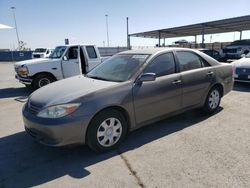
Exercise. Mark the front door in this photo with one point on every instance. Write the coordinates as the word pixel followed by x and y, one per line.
pixel 154 99
pixel 70 62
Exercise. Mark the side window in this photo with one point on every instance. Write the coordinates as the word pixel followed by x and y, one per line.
pixel 91 52
pixel 190 60
pixel 162 65
pixel 73 53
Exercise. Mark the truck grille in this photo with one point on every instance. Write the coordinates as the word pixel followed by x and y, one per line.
pixel 242 71
pixel 229 50
pixel 36 56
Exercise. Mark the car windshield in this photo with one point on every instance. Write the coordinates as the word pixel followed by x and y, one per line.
pixel 42 50
pixel 118 68
pixel 58 52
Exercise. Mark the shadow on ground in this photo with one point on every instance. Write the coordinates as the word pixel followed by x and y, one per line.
pixel 25 163
pixel 242 87
pixel 21 93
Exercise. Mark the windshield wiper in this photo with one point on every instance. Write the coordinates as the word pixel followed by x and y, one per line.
pixel 97 78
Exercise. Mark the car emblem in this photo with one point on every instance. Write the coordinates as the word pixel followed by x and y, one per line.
pixel 244 70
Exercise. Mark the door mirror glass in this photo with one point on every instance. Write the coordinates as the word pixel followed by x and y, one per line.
pixel 147 77
pixel 65 58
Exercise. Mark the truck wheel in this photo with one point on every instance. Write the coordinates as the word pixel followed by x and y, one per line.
pixel 41 80
pixel 213 100
pixel 106 131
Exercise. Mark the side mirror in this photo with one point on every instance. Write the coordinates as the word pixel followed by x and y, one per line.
pixel 243 55
pixel 65 58
pixel 146 77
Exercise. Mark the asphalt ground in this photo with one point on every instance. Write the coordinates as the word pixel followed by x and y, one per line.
pixel 187 150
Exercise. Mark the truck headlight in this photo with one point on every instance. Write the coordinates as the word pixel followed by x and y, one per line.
pixel 23 70
pixel 58 111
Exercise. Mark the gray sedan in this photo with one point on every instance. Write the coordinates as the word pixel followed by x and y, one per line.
pixel 130 90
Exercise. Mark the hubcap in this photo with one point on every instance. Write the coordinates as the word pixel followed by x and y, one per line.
pixel 44 81
pixel 214 99
pixel 109 132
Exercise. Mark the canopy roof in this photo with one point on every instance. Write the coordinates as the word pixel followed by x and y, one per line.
pixel 2 26
pixel 220 26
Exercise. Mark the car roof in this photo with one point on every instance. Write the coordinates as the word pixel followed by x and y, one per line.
pixel 154 50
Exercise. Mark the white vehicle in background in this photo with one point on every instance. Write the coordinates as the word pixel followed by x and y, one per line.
pixel 41 53
pixel 236 49
pixel 64 62
pixel 242 69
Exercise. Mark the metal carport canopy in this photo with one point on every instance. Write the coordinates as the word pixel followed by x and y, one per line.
pixel 220 26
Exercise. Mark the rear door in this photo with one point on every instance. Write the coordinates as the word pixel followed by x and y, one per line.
pixel 154 99
pixel 197 76
pixel 93 58
pixel 70 64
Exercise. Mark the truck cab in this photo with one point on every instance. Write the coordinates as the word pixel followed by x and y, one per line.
pixel 64 62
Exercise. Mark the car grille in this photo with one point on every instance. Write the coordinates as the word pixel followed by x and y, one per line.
pixel 36 56
pixel 34 109
pixel 242 71
pixel 229 50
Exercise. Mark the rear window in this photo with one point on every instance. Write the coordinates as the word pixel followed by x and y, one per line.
pixel 91 52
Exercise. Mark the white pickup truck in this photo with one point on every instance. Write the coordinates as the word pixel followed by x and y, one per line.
pixel 64 62
pixel 41 53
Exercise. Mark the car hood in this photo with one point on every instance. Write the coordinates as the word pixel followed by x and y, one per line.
pixel 243 62
pixel 34 61
pixel 67 90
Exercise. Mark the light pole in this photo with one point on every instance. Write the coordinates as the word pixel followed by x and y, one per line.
pixel 13 10
pixel 107 29
pixel 128 37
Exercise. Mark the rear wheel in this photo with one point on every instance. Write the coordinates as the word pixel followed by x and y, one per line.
pixel 42 80
pixel 213 100
pixel 106 131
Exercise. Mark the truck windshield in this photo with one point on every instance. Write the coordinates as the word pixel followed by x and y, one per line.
pixel 58 52
pixel 118 68
pixel 41 50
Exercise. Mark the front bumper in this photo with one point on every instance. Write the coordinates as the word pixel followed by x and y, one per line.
pixel 55 132
pixel 24 80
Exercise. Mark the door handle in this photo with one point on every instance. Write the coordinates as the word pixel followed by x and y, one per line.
pixel 210 73
pixel 176 82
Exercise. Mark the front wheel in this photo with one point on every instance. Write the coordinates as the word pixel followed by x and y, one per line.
pixel 213 100
pixel 107 130
pixel 42 80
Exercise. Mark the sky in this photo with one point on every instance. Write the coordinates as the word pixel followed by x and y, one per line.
pixel 46 23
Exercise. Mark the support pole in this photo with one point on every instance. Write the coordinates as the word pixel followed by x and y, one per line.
pixel 159 37
pixel 240 35
pixel 203 37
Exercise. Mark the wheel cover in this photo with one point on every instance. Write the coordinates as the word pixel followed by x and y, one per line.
pixel 44 81
pixel 214 99
pixel 109 132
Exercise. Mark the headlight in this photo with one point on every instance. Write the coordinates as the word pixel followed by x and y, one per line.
pixel 58 111
pixel 23 70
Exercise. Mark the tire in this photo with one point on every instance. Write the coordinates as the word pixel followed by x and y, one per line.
pixel 106 131
pixel 28 86
pixel 212 101
pixel 41 80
